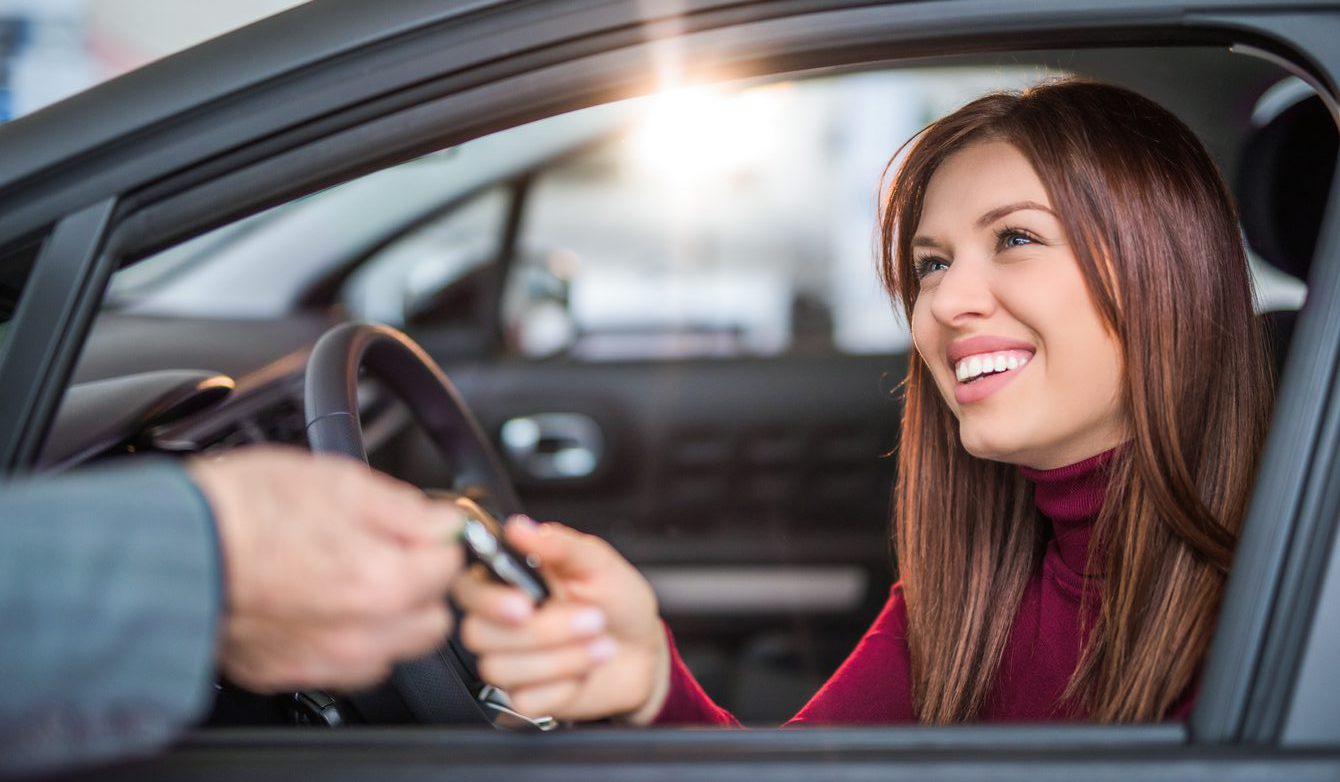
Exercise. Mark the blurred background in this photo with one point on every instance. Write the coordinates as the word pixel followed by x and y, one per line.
pixel 762 214
pixel 50 49
pixel 708 222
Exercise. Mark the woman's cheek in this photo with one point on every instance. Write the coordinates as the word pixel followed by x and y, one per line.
pixel 927 345
pixel 1084 369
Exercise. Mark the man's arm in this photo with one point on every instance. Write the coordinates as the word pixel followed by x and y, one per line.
pixel 110 600
pixel 117 596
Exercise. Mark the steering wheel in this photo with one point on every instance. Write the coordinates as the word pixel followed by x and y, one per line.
pixel 442 687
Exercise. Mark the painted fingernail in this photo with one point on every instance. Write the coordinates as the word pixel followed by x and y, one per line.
pixel 588 621
pixel 522 520
pixel 515 608
pixel 602 648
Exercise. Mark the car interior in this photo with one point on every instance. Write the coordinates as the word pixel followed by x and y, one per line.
pixel 664 315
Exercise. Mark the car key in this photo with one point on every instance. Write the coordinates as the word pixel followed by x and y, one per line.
pixel 482 537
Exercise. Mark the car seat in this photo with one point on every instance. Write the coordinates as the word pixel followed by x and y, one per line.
pixel 1283 184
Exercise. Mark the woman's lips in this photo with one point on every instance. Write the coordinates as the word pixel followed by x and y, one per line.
pixel 981 344
pixel 982 387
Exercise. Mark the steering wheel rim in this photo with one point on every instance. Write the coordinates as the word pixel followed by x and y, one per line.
pixel 439 688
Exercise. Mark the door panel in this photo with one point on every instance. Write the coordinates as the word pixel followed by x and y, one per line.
pixel 760 461
pixel 752 493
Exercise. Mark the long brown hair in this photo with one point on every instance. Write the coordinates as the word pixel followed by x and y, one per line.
pixel 1156 236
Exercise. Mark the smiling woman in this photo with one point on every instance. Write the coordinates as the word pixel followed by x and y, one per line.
pixel 1071 477
pixel 1086 226
pixel 999 282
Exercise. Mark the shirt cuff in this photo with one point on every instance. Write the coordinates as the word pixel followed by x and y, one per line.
pixel 686 702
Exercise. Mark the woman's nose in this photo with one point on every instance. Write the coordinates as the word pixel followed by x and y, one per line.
pixel 964 293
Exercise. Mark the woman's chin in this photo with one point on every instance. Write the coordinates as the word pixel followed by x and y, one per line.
pixel 992 448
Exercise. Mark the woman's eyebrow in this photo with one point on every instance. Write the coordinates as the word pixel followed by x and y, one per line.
pixel 987 219
pixel 1001 211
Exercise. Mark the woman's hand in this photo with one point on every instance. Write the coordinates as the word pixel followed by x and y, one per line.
pixel 595 649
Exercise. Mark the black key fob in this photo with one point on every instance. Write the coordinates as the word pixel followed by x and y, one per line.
pixel 482 537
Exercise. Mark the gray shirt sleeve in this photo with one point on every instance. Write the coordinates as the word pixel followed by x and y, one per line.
pixel 109 604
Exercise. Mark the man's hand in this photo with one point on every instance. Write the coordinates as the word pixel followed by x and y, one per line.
pixel 333 572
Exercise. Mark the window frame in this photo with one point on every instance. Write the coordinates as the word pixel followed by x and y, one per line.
pixel 1252 673
pixel 55 310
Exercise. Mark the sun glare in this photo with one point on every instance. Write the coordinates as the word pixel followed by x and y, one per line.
pixel 698 132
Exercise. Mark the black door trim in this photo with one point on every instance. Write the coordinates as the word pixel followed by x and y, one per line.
pixel 1269 605
pixel 48 328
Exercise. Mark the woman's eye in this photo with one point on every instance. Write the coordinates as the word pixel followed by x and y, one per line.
pixel 926 266
pixel 1012 237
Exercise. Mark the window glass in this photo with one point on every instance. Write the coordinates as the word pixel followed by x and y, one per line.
pixel 403 283
pixel 727 222
pixel 131 282
pixel 732 220
pixel 378 244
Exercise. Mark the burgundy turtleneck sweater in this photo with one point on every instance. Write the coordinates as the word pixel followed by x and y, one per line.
pixel 874 684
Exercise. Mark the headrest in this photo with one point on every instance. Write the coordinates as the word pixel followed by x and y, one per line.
pixel 1284 181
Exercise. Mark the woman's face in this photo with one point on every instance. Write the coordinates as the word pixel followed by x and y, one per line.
pixel 1004 320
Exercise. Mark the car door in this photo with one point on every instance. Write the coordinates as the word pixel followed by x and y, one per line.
pixel 573 54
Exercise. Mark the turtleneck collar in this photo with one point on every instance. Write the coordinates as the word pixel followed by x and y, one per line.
pixel 1070 497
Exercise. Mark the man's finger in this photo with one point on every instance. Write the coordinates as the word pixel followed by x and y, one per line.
pixel 418 633
pixel 403 512
pixel 431 569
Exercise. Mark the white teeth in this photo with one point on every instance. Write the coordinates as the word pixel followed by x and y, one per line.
pixel 974 366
